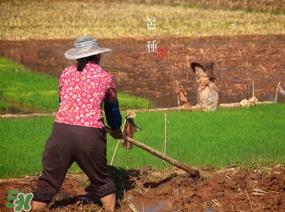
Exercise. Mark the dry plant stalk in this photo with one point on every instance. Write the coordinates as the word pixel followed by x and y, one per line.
pixel 250 203
pixel 259 192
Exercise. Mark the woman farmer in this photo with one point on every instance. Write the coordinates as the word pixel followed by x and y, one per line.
pixel 78 132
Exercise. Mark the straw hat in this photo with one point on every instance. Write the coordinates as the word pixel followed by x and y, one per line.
pixel 207 66
pixel 85 46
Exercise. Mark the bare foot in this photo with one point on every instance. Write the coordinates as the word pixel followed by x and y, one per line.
pixel 38 205
pixel 109 202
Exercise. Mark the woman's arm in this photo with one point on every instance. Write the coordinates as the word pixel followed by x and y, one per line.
pixel 113 115
pixel 112 110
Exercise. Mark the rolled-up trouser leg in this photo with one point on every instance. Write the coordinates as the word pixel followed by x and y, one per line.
pixel 56 159
pixel 91 157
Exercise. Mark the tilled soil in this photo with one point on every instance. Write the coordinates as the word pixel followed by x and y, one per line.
pixel 230 189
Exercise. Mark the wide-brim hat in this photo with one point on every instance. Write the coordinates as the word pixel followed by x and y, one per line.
pixel 207 66
pixel 85 46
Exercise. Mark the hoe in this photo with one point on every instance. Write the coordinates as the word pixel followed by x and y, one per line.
pixel 130 128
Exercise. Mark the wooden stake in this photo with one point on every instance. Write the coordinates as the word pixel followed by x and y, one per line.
pixel 165 136
pixel 165 133
pixel 253 89
pixel 277 92
pixel 188 66
pixel 177 95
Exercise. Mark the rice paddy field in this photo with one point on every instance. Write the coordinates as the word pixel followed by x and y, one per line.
pixel 195 138
pixel 23 90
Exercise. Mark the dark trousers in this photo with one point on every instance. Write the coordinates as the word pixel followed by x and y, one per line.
pixel 68 143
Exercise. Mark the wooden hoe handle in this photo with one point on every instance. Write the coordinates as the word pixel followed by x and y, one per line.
pixel 193 172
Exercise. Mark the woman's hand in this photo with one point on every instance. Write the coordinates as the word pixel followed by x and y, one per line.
pixel 116 134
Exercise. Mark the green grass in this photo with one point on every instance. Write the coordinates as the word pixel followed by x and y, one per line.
pixel 229 136
pixel 46 20
pixel 32 91
pixel 128 101
pixel 26 89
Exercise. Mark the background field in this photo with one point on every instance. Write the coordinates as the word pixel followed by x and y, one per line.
pixel 68 19
pixel 273 6
pixel 195 138
pixel 26 91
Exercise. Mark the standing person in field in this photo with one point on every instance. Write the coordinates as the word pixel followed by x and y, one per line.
pixel 78 133
pixel 207 95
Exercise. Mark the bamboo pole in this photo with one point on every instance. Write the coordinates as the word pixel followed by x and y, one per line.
pixel 165 136
pixel 253 93
pixel 117 146
pixel 114 153
pixel 165 133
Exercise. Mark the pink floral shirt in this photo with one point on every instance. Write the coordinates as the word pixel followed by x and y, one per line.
pixel 82 94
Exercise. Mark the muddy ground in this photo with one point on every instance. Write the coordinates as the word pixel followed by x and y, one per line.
pixel 230 189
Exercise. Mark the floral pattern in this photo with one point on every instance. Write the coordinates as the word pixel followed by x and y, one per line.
pixel 82 94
